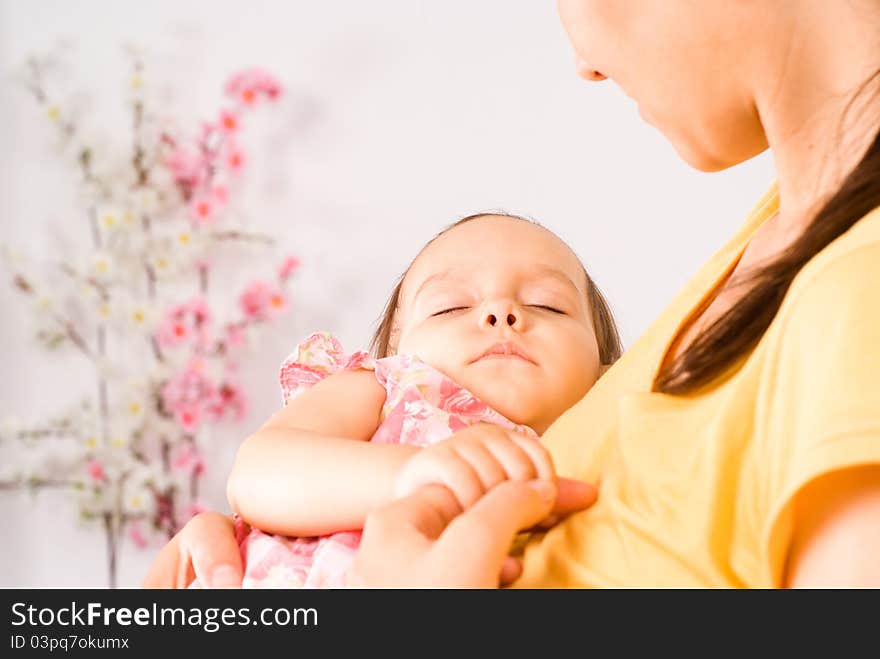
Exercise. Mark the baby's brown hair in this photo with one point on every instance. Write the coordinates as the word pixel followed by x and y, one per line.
pixel 607 334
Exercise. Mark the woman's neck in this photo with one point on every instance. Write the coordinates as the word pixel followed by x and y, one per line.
pixel 817 114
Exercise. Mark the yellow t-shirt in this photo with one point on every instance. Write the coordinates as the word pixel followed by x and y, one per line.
pixel 694 490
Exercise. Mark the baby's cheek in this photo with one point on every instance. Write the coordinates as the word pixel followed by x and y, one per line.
pixel 576 376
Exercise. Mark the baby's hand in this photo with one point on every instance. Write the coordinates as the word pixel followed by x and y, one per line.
pixel 473 461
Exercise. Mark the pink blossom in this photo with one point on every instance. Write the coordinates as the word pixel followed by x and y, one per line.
pixel 178 311
pixel 249 96
pixel 186 167
pixel 239 80
pixel 203 340
pixel 235 158
pixel 229 397
pixel 267 84
pixel 172 331
pixel 202 210
pixel 262 301
pixel 198 307
pixel 228 122
pixel 290 265
pixel 188 460
pixel 235 335
pixel 277 304
pixel 221 194
pixel 95 469
pixel 253 301
pixel 272 89
pixel 184 321
pixel 136 535
pixel 188 417
pixel 247 86
pixel 186 394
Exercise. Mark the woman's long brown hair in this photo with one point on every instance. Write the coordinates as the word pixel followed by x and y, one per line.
pixel 607 334
pixel 735 333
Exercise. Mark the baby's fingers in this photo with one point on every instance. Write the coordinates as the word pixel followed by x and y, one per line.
pixel 522 458
pixel 539 455
pixel 446 467
pixel 487 467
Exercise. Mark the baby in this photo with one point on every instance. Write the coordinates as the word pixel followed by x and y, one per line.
pixel 494 330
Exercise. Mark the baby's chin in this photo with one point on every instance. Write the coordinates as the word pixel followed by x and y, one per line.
pixel 513 402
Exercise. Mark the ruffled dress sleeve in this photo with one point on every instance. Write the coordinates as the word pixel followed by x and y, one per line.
pixel 316 357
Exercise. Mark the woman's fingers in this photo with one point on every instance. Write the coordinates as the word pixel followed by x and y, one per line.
pixel 206 548
pixel 420 516
pixel 164 572
pixel 480 538
pixel 397 538
pixel 511 568
pixel 427 539
pixel 573 495
pixel 213 550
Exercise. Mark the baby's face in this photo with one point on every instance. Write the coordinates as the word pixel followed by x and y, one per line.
pixel 503 283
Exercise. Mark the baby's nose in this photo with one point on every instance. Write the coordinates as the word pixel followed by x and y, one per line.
pixel 502 314
pixel 492 319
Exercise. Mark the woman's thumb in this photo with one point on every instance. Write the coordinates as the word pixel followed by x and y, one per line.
pixel 499 515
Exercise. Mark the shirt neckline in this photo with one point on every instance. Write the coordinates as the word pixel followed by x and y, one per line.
pixel 733 252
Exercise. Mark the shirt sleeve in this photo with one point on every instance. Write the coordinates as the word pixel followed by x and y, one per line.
pixel 316 357
pixel 821 398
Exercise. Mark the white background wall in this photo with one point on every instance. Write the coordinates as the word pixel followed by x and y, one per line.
pixel 401 116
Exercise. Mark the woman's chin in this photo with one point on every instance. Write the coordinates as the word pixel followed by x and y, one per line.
pixel 718 159
pixel 702 161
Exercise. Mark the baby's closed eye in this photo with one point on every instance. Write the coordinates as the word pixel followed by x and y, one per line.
pixel 547 308
pixel 449 310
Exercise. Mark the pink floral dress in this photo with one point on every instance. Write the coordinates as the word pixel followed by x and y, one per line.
pixel 422 407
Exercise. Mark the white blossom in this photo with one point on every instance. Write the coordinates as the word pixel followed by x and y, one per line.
pixel 145 200
pixel 102 265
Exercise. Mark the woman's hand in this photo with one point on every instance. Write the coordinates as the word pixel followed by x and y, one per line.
pixel 205 548
pixel 425 540
pixel 473 461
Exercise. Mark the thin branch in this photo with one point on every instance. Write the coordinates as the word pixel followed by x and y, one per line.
pixel 35 482
pixel 73 335
pixel 241 235
pixel 91 281
pixel 44 433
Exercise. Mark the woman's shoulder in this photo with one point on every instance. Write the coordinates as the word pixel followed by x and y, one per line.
pixel 834 296
pixel 844 266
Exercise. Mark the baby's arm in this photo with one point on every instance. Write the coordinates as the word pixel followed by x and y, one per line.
pixel 309 470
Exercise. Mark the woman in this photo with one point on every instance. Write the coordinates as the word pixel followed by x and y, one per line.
pixel 738 441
